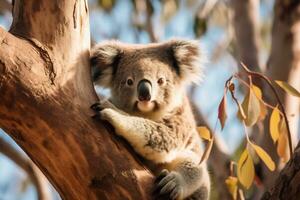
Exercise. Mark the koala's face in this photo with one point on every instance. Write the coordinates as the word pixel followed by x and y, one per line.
pixel 146 80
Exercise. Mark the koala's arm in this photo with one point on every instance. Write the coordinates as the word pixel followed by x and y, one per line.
pixel 150 139
pixel 156 142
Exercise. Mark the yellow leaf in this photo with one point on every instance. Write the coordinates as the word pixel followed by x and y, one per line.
pixel 282 145
pixel 251 108
pixel 246 169
pixel 231 183
pixel 274 124
pixel 264 156
pixel 263 111
pixel 222 112
pixel 204 132
pixel 207 150
pixel 288 88
pixel 257 91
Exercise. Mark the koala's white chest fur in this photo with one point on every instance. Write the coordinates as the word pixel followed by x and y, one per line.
pixel 164 134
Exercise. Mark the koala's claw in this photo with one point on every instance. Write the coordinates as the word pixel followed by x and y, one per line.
pixel 102 104
pixel 167 185
pixel 161 175
pixel 96 107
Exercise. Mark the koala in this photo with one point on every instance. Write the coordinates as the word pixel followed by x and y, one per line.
pixel 150 109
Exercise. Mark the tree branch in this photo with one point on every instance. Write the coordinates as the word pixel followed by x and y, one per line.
pixel 4 6
pixel 268 81
pixel 149 25
pixel 245 21
pixel 52 122
pixel 144 9
pixel 29 167
pixel 287 184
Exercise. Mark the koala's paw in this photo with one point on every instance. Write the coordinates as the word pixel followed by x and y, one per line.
pixel 107 114
pixel 102 104
pixel 168 185
pixel 200 194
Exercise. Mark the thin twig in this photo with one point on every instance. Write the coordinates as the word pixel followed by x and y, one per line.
pixel 260 99
pixel 256 74
pixel 232 164
pixel 238 105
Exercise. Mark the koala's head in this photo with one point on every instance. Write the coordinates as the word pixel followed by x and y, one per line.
pixel 148 79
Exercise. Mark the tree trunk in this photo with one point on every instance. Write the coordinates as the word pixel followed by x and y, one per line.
pixel 245 21
pixel 284 64
pixel 287 184
pixel 46 92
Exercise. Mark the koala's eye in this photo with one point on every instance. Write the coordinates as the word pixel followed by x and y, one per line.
pixel 161 81
pixel 129 81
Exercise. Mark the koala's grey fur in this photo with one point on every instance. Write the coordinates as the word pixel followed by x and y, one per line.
pixel 165 134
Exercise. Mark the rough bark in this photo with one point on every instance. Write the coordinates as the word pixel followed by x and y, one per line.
pixel 284 64
pixel 46 92
pixel 287 184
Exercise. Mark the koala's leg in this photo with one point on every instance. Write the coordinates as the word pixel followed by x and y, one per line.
pixel 186 181
pixel 150 139
pixel 156 142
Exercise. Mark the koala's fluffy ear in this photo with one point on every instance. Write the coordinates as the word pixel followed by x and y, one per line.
pixel 188 59
pixel 104 59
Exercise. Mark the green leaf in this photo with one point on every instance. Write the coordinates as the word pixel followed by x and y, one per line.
pixel 288 88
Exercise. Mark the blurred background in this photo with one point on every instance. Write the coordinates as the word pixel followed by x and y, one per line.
pixel 229 31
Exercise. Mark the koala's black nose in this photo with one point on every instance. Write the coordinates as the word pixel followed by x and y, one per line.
pixel 144 90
